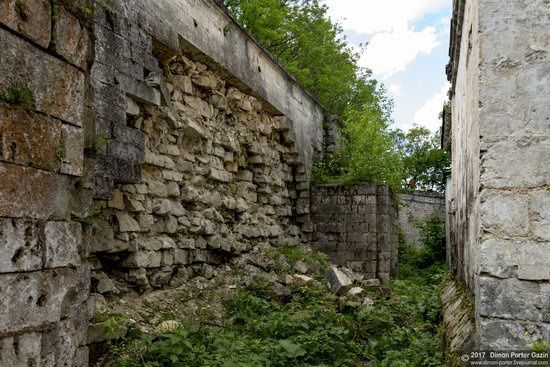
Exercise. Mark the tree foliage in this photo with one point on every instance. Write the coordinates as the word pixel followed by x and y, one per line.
pixel 302 37
pixel 423 160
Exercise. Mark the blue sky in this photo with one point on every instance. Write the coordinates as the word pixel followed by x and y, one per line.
pixel 407 51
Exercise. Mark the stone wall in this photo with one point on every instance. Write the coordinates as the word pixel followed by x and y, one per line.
pixel 356 226
pixel 141 143
pixel 44 282
pixel 500 243
pixel 418 206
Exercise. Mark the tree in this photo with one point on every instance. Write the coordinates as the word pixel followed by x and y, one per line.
pixel 367 152
pixel 424 161
pixel 302 37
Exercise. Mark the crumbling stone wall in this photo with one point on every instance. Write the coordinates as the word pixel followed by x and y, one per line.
pixel 500 243
pixel 220 174
pixel 418 206
pixel 139 141
pixel 356 226
pixel 44 282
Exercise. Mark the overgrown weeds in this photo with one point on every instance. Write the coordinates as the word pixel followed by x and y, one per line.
pixel 314 327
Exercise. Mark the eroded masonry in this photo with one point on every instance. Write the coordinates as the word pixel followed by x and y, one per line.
pixel 499 198
pixel 141 141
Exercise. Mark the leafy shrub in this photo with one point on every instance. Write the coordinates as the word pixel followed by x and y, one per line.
pixel 430 255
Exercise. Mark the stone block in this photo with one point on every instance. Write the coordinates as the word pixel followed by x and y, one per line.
pixel 540 215
pixel 21 245
pixel 36 299
pixel 62 243
pixel 21 350
pixel 126 223
pixel 498 258
pixel 497 334
pixel 533 259
pixel 505 213
pixel 509 299
pixel 337 280
pixel 31 193
pixel 72 41
pixel 143 259
pixel 30 139
pixel 516 163
pixel 31 18
pixel 57 87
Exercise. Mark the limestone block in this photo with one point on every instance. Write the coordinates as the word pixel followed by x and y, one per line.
pixel 199 106
pixel 32 139
pixel 126 223
pixel 540 215
pixel 34 299
pixel 72 40
pixel 505 213
pixel 157 188
pixel 62 244
pixel 161 206
pixel 183 82
pixel 117 202
pixel 21 350
pixel 57 87
pixel 31 193
pixel 337 280
pixel 509 334
pixel 20 245
pixel 172 189
pixel 509 299
pixel 516 162
pixel 499 258
pixel 533 260
pixel 143 259
pixel 220 175
pixel 182 257
pixel 31 18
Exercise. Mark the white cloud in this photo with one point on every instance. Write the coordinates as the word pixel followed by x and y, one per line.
pixel 395 90
pixel 428 115
pixel 395 43
pixel 391 52
pixel 372 16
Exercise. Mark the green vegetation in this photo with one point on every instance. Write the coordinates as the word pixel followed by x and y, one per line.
pixel 400 327
pixel 423 159
pixel 287 255
pixel 18 94
pixel 302 37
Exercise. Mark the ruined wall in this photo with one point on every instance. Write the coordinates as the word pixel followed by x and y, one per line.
pixel 501 138
pixel 418 206
pixel 141 143
pixel 356 226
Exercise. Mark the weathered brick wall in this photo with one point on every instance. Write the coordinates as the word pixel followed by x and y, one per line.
pixel 356 226
pixel 500 243
pixel 418 206
pixel 44 282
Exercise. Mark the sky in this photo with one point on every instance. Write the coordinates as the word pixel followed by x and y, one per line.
pixel 407 51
